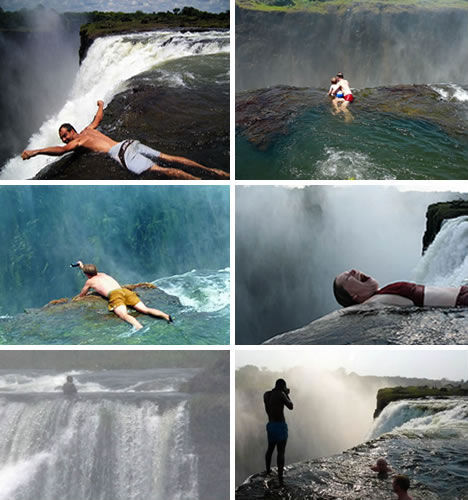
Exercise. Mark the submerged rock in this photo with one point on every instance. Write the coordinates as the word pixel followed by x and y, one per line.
pixel 379 324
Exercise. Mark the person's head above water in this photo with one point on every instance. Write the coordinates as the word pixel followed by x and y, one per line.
pixel 340 75
pixel 353 287
pixel 67 132
pixel 69 378
pixel 401 483
pixel 89 269
pixel 334 80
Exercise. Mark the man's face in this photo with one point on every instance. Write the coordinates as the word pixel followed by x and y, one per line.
pixel 66 135
pixel 357 284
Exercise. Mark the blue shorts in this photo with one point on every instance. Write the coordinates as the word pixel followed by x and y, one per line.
pixel 277 431
pixel 340 94
pixel 138 157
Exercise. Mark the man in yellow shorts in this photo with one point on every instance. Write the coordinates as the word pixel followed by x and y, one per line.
pixel 119 298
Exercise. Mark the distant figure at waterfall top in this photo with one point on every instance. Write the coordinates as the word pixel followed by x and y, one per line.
pixel 119 298
pixel 69 388
pixel 382 468
pixel 401 486
pixel 130 154
pixel 277 429
pixel 342 96
pixel 354 287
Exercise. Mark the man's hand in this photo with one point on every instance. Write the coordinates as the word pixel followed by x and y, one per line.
pixel 80 264
pixel 100 103
pixel 27 153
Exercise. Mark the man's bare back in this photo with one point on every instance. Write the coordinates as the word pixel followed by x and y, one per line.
pixel 102 283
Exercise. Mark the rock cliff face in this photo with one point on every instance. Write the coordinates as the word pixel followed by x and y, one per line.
pixel 437 213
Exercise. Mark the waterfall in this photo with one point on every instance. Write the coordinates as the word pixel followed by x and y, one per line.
pixel 111 61
pixel 104 446
pixel 445 262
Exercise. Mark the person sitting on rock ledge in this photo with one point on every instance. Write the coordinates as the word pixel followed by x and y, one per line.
pixel 130 154
pixel 354 287
pixel 119 298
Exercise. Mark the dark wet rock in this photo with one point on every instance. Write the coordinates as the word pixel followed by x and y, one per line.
pixel 371 324
pixel 190 122
pixel 346 476
pixel 437 213
pixel 262 115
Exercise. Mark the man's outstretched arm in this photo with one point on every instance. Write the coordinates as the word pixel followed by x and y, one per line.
pixel 51 151
pixel 99 115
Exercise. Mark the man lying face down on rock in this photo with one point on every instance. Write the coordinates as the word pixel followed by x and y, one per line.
pixel 354 287
pixel 119 298
pixel 130 154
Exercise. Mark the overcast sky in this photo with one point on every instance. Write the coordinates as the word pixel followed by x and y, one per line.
pixel 420 363
pixel 117 5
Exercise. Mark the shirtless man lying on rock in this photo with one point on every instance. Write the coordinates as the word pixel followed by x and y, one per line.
pixel 354 287
pixel 130 154
pixel 119 298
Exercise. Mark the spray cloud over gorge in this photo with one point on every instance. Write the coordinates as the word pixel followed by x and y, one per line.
pixel 46 54
pixel 300 239
pixel 371 48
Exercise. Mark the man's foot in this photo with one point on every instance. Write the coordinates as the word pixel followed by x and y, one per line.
pixel 169 319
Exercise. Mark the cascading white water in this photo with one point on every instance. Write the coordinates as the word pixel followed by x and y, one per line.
pixel 110 62
pixel 445 262
pixel 424 417
pixel 109 448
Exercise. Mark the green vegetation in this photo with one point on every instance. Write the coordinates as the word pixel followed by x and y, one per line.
pixel 105 23
pixel 102 23
pixel 341 6
pixel 389 394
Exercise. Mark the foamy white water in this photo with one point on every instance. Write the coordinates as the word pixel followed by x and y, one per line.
pixel 445 262
pixel 424 417
pixel 109 64
pixel 451 91
pixel 201 291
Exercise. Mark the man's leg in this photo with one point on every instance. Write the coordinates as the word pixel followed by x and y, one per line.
pixel 185 162
pixel 268 455
pixel 173 173
pixel 280 460
pixel 122 313
pixel 140 307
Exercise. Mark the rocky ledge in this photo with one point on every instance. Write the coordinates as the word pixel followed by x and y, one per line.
pixel 382 324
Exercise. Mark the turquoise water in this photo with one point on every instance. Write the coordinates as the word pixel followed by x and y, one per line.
pixel 319 145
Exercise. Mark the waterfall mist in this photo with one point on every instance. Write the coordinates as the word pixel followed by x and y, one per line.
pixel 370 48
pixel 132 233
pixel 332 412
pixel 38 68
pixel 291 243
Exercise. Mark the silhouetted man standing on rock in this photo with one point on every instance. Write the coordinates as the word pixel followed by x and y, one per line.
pixel 277 429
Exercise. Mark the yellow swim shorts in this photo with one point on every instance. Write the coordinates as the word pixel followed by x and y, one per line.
pixel 122 296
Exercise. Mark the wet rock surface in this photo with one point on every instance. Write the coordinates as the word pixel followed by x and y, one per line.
pixel 392 325
pixel 346 476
